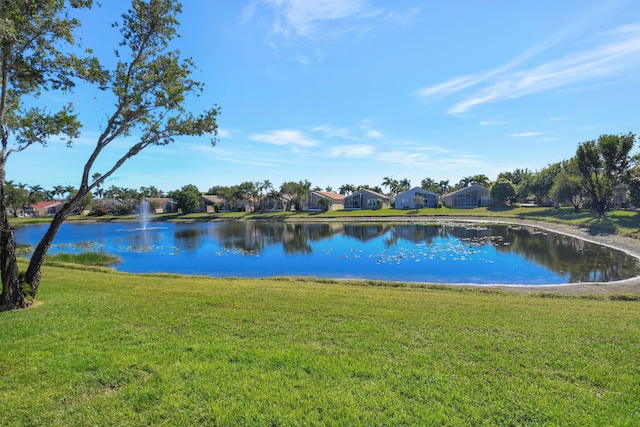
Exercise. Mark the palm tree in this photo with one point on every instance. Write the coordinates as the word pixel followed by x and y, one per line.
pixel 443 187
pixel 404 185
pixel 58 190
pixel 482 180
pixel 429 185
pixel 465 182
pixel 36 194
pixel 390 183
pixel 69 190
pixel 346 189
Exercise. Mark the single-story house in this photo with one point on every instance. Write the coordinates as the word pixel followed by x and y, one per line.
pixel 366 199
pixel 273 203
pixel 209 201
pixel 111 205
pixel 468 197
pixel 408 199
pixel 159 205
pixel 620 197
pixel 46 208
pixel 314 201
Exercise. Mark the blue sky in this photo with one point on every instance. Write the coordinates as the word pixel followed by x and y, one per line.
pixel 351 91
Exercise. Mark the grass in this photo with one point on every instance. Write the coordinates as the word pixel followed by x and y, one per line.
pixel 173 350
pixel 84 258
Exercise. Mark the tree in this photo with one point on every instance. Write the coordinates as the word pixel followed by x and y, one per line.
pixel 86 201
pixel 603 164
pixel 187 198
pixel 501 191
pixel 16 196
pixel 151 191
pixel 228 194
pixel 539 183
pixel 36 194
pixel 429 185
pixel 149 85
pixel 443 187
pixel 520 179
pixel 634 191
pixel 325 203
pixel 464 182
pixel 481 179
pixel 391 184
pixel 58 190
pixel 251 192
pixel 297 193
pixel 567 188
pixel 418 201
pixel 346 189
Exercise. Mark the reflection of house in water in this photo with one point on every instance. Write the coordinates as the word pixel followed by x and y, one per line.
pixel 415 233
pixel 468 232
pixel 365 232
pixel 254 237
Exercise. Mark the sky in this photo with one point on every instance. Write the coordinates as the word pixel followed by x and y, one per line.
pixel 352 91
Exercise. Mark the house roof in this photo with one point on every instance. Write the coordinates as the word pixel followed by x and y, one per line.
pixel 417 189
pixel 159 200
pixel 466 189
pixel 330 195
pixel 44 205
pixel 212 198
pixel 364 190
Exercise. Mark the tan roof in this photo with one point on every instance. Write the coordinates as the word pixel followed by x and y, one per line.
pixel 331 195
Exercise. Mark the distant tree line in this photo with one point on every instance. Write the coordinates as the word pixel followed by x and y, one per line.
pixel 589 180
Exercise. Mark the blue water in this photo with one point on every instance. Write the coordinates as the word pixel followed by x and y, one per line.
pixel 390 252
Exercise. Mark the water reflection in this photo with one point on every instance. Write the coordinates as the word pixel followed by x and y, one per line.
pixel 452 253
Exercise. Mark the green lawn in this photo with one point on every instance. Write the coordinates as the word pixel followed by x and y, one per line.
pixel 118 349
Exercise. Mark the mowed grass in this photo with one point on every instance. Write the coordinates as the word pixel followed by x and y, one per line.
pixel 105 348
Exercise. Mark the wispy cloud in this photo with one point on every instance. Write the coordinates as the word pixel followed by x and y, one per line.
pixel 525 134
pixel 289 21
pixel 363 132
pixel 295 18
pixel 284 137
pixel 616 52
pixel 224 133
pixel 351 151
pixel 491 123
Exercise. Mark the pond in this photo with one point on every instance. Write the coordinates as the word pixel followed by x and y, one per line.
pixel 451 253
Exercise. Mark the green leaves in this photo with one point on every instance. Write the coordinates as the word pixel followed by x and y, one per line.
pixel 603 164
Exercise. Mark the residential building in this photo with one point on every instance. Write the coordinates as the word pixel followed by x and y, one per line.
pixel 336 201
pixel 366 199
pixel 408 199
pixel 468 197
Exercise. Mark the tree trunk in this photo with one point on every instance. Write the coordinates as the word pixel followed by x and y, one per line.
pixel 12 296
pixel 32 275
